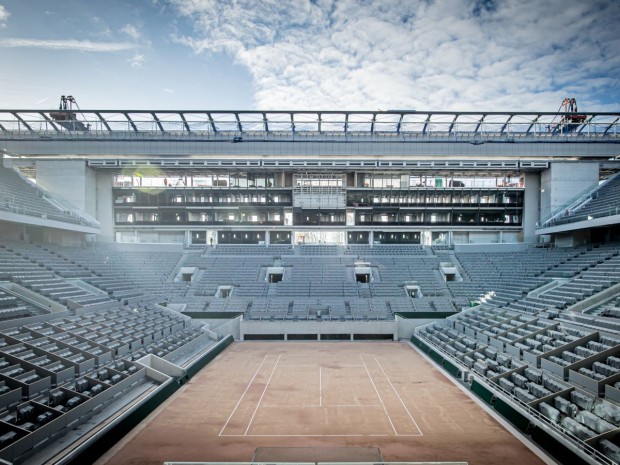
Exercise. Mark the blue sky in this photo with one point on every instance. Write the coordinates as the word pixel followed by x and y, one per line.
pixel 317 54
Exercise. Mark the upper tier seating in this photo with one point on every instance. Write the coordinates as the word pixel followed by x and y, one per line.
pixel 21 196
pixel 603 201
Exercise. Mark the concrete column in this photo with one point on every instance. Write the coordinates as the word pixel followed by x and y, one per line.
pixel 531 206
pixel 105 205
pixel 563 181
pixel 71 180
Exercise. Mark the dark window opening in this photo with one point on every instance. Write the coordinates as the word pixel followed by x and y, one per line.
pixel 335 337
pixel 362 277
pixel 301 337
pixel 373 337
pixel 263 337
pixel 275 277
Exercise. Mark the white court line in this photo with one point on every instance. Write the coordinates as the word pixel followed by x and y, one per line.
pixel 296 365
pixel 335 365
pixel 320 386
pixel 323 406
pixel 242 395
pixel 314 435
pixel 398 395
pixel 262 395
pixel 378 395
pixel 295 435
pixel 314 365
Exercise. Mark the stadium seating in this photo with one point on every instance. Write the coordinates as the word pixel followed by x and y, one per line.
pixel 40 276
pixel 603 201
pixel 20 196
pixel 72 367
pixel 521 339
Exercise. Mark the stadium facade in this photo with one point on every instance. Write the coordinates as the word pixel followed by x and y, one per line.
pixel 306 177
pixel 136 245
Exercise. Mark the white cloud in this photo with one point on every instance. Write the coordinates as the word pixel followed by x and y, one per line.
pixel 137 60
pixel 4 16
pixel 79 45
pixel 450 54
pixel 168 91
pixel 131 31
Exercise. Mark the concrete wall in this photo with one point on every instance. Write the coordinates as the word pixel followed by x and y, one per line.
pixel 130 145
pixel 318 327
pixel 531 206
pixel 11 231
pixel 490 248
pixel 406 327
pixel 90 192
pixel 62 237
pixel 149 247
pixel 572 238
pixel 225 327
pixel 85 188
pixel 69 180
pixel 563 181
pixel 105 205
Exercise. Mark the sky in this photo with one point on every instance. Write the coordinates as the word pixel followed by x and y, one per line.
pixel 425 55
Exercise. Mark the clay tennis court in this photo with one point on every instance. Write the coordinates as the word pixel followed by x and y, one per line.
pixel 320 402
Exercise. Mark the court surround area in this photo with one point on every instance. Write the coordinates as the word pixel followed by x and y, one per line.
pixel 312 402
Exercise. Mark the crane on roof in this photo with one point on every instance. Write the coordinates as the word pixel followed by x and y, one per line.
pixel 66 116
pixel 568 118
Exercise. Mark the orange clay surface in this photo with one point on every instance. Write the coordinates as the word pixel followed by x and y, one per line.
pixel 271 396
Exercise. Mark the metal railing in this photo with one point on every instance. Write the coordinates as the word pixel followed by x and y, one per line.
pixel 255 123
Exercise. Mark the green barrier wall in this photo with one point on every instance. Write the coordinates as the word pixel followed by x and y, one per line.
pixel 90 454
pixel 436 356
pixel 558 450
pixel 451 368
pixel 425 315
pixel 416 341
pixel 512 415
pixel 482 391
pixel 212 315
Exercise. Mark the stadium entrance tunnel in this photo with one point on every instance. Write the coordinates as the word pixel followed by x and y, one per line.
pixel 363 273
pixel 450 272
pixel 223 292
pixel 275 274
pixel 186 274
pixel 413 291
